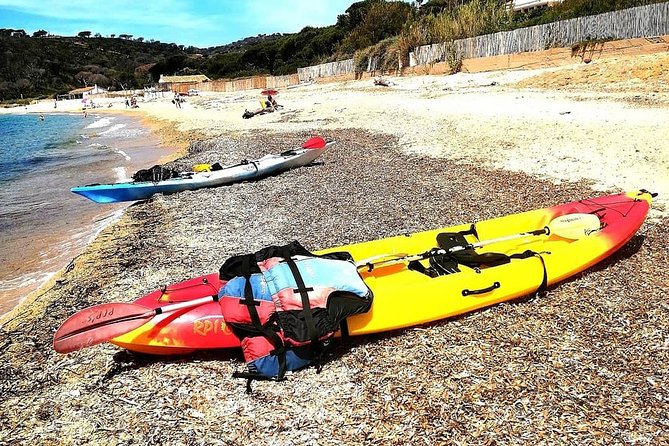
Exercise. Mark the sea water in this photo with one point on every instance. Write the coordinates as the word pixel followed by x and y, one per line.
pixel 43 225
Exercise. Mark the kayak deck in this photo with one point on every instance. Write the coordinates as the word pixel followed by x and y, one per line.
pixel 249 170
pixel 404 297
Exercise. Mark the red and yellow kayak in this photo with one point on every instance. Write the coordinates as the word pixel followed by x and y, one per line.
pixel 405 297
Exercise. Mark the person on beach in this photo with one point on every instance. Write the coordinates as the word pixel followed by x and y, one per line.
pixel 270 102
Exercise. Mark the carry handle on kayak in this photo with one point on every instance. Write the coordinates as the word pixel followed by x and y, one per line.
pixel 570 226
pixel 493 287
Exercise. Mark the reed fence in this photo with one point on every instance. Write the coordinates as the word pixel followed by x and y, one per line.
pixel 326 70
pixel 641 21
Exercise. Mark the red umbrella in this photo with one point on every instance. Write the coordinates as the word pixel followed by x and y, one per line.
pixel 269 92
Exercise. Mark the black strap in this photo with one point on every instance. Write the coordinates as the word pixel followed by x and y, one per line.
pixel 544 281
pixel 250 377
pixel 343 328
pixel 306 305
pixel 267 332
pixel 316 344
pixel 529 253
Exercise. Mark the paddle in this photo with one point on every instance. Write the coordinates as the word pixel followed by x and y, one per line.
pixel 570 226
pixel 101 323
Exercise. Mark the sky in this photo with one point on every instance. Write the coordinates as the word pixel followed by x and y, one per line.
pixel 198 23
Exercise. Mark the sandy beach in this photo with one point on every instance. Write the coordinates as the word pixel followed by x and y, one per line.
pixel 584 364
pixel 604 122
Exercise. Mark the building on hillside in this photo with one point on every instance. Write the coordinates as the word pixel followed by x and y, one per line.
pixel 82 93
pixel 527 5
pixel 181 84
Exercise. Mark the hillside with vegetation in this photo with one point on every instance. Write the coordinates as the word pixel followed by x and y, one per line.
pixel 41 65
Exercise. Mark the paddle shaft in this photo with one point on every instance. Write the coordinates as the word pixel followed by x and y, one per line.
pixel 544 231
pixel 182 305
pixel 571 226
pixel 437 252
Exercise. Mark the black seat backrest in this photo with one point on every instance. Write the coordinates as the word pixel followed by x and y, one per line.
pixel 469 256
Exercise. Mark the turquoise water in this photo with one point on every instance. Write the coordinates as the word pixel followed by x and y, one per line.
pixel 43 226
pixel 30 143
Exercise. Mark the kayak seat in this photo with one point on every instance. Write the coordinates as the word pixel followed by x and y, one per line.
pixel 440 265
pixel 469 257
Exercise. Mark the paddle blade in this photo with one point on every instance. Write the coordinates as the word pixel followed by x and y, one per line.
pixel 574 226
pixel 314 143
pixel 98 324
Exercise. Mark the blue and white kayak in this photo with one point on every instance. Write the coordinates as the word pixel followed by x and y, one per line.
pixel 246 170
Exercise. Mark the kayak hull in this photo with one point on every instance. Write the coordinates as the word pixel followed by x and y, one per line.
pixel 405 298
pixel 268 165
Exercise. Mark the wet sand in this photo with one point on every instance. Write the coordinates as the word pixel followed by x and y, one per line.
pixel 62 227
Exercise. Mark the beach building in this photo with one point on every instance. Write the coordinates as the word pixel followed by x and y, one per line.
pixel 181 84
pixel 83 93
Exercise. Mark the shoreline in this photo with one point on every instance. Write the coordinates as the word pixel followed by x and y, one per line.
pixel 578 364
pixel 214 115
pixel 174 143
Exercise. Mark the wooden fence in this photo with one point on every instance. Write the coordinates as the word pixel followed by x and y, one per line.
pixel 336 69
pixel 642 21
pixel 250 83
pixel 329 69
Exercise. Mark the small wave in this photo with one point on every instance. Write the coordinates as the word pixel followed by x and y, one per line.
pixel 123 154
pixel 121 175
pixel 103 122
pixel 26 280
pixel 113 128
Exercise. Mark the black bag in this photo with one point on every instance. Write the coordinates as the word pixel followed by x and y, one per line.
pixel 155 174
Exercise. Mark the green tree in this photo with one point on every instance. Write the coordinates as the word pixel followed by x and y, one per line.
pixel 373 21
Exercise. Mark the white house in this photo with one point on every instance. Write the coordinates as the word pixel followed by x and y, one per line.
pixel 80 93
pixel 526 5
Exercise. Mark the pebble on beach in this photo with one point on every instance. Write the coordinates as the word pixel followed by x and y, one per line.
pixel 585 363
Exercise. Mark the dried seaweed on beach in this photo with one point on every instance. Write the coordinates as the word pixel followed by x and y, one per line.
pixel 584 364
